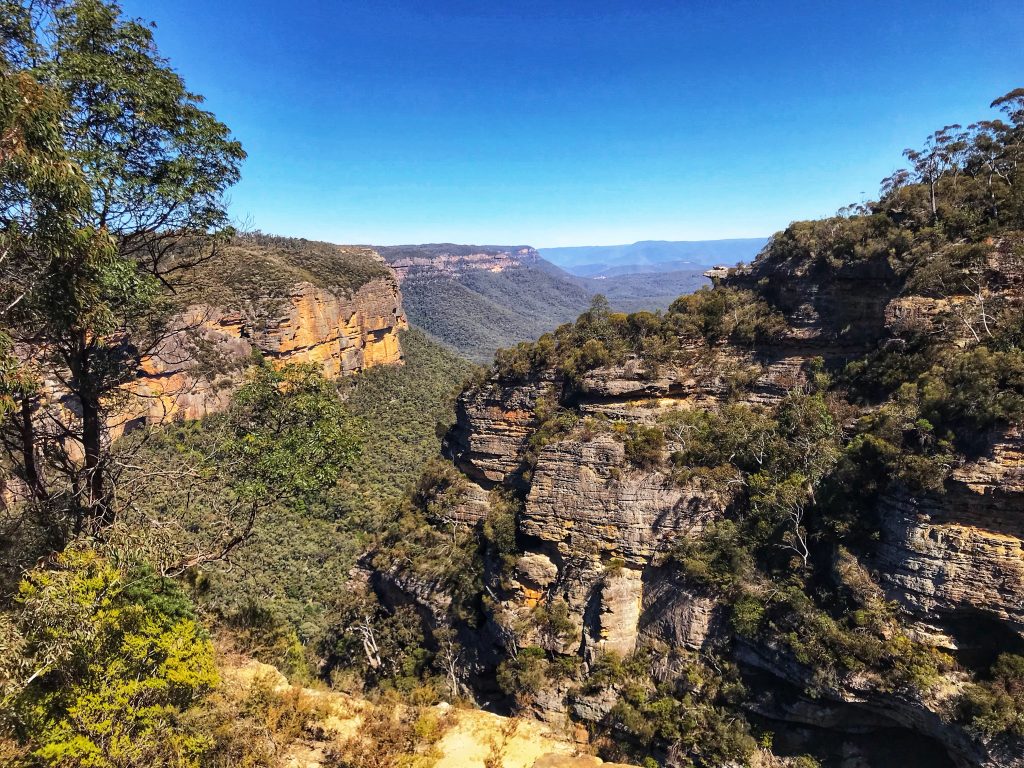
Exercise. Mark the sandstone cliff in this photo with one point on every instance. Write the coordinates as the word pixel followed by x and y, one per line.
pixel 453 260
pixel 288 301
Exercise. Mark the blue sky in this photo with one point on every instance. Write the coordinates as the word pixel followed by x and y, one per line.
pixel 578 123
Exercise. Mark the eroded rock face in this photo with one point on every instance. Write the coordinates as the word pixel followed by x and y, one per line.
pixel 961 555
pixel 453 260
pixel 621 606
pixel 825 304
pixel 493 427
pixel 194 370
pixel 674 613
pixel 584 498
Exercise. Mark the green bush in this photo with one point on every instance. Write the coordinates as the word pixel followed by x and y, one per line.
pixel 996 705
pixel 644 446
pixel 101 665
pixel 524 675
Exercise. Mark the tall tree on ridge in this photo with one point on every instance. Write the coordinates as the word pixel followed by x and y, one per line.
pixel 156 167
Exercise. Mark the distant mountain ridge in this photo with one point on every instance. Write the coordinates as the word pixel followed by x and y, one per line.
pixel 652 256
pixel 479 298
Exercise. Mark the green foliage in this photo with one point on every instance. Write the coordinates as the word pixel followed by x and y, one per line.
pixel 744 436
pixel 553 623
pixel 725 314
pixel 499 529
pixel 147 168
pixel 644 446
pixel 865 641
pixel 381 647
pixel 839 241
pixel 285 434
pixel 255 270
pixel 719 557
pixel 690 719
pixel 448 556
pixel 996 705
pixel 439 491
pixel 101 666
pixel 524 675
pixel 40 190
pixel 600 337
pixel 324 502
pixel 400 413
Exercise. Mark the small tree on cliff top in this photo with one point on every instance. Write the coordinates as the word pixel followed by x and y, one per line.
pixel 156 166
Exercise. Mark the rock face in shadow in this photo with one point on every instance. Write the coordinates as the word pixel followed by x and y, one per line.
pixel 958 559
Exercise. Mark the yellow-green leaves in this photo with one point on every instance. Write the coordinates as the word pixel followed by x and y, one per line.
pixel 108 662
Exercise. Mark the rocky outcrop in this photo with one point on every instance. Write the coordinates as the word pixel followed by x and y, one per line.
pixel 453 260
pixel 493 427
pixel 956 561
pixel 859 707
pixel 673 612
pixel 584 498
pixel 192 372
pixel 825 304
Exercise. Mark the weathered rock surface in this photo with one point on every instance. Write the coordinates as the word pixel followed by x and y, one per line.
pixel 960 556
pixel 824 304
pixel 453 260
pixel 193 371
pixel 621 606
pixel 493 427
pixel 674 613
pixel 584 498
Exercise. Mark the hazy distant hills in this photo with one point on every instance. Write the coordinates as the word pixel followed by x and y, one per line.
pixel 653 256
pixel 478 298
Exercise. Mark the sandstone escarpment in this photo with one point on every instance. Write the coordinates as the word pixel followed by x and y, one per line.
pixel 610 530
pixel 956 561
pixel 452 260
pixel 342 331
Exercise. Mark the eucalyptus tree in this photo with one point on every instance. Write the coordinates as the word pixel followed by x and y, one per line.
pixel 155 166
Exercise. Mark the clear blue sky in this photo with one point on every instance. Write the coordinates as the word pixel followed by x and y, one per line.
pixel 578 123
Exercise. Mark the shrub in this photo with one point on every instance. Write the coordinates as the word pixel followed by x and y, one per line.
pixel 553 623
pixel 524 675
pixel 996 705
pixel 500 526
pixel 644 446
pixel 106 664
pixel 718 557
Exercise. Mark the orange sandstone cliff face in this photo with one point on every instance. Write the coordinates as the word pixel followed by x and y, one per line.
pixel 193 372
